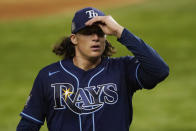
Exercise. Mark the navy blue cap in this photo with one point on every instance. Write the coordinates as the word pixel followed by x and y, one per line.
pixel 82 16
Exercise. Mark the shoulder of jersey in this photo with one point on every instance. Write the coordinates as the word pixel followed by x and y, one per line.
pixel 50 70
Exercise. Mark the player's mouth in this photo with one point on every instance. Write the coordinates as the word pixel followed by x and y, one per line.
pixel 96 47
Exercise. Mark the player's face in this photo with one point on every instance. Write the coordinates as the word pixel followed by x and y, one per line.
pixel 90 42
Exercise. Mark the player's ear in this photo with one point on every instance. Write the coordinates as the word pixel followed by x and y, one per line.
pixel 74 39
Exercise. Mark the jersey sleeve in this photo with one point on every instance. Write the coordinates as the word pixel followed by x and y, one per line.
pixel 146 69
pixel 26 125
pixel 35 107
pixel 131 73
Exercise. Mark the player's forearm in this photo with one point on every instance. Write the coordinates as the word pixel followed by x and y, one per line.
pixel 26 125
pixel 150 62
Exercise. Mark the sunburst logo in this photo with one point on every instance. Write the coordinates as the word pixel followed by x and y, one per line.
pixel 67 93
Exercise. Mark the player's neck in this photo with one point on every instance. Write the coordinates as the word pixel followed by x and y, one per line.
pixel 86 64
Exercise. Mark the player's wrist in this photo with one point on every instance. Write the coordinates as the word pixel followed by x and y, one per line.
pixel 119 31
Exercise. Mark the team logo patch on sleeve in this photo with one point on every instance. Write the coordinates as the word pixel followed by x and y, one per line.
pixel 28 99
pixel 85 100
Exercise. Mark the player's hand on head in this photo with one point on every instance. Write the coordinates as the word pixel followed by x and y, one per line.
pixel 107 24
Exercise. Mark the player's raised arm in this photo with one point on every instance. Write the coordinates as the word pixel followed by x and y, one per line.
pixel 151 68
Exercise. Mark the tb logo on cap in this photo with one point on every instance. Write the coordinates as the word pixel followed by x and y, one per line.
pixel 91 13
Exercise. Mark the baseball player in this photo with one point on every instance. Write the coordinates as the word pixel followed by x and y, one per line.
pixel 87 90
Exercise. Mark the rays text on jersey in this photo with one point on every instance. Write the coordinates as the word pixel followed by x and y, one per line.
pixel 84 100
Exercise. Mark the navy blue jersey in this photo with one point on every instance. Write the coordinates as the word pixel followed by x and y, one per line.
pixel 100 99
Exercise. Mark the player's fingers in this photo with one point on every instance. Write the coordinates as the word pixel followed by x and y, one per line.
pixel 102 27
pixel 94 20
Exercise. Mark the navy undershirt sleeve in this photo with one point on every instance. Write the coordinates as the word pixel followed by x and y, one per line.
pixel 151 68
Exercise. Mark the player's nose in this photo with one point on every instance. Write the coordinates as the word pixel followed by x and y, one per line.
pixel 95 37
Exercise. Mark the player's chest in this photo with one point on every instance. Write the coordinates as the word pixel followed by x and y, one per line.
pixel 84 94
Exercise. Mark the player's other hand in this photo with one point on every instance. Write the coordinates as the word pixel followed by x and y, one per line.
pixel 108 25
